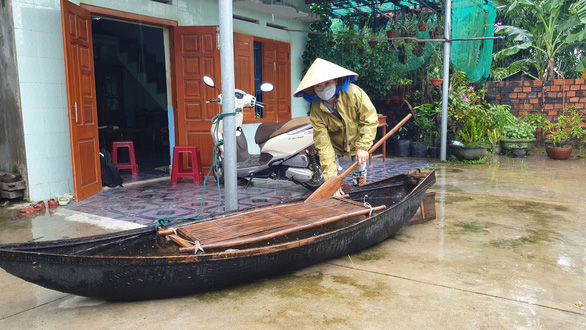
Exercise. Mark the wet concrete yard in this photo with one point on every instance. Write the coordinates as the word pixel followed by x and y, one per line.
pixel 507 250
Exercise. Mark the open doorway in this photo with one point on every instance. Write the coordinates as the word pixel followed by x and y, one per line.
pixel 131 92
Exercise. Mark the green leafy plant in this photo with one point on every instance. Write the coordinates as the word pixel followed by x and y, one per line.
pixel 427 122
pixel 558 25
pixel 474 130
pixel 494 136
pixel 566 128
pixel 520 130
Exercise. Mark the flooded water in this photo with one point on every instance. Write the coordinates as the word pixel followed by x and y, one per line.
pixel 507 250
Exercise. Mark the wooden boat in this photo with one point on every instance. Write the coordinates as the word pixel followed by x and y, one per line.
pixel 240 246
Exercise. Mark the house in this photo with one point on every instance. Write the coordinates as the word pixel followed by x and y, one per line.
pixel 79 74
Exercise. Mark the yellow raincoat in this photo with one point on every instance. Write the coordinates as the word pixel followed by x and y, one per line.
pixel 356 129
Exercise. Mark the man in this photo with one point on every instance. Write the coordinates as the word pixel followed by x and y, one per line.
pixel 343 117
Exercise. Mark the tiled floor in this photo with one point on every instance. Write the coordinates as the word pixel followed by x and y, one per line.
pixel 149 196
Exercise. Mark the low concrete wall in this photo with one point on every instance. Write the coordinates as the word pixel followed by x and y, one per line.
pixel 12 146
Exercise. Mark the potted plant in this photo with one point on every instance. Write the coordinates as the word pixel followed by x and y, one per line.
pixel 518 150
pixel 435 76
pixel 427 125
pixel 472 136
pixel 520 131
pixel 409 26
pixel 517 134
pixel 494 137
pixel 563 132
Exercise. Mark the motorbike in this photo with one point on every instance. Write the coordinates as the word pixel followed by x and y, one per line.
pixel 286 148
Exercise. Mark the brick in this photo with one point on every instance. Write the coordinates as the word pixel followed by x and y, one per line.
pixel 517 89
pixel 568 81
pixel 521 95
pixel 513 95
pixel 533 101
pixel 571 94
pixel 537 83
pixel 526 89
pixel 558 105
pixel 579 81
pixel 552 113
pixel 583 87
pixel 583 100
pixel 558 82
pixel 555 88
pixel 548 106
pixel 575 87
pixel 574 100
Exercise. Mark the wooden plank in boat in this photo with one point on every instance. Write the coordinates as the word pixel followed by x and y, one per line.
pixel 270 222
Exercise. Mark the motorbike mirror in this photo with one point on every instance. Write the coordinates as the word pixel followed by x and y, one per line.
pixel 208 81
pixel 266 87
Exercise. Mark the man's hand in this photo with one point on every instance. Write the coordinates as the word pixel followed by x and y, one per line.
pixel 340 192
pixel 361 156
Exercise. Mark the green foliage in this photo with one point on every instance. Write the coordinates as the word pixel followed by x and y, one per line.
pixel 524 128
pixel 494 135
pixel 344 41
pixel 427 122
pixel 566 128
pixel 543 31
pixel 473 131
pixel 499 115
pixel 521 130
pixel 462 103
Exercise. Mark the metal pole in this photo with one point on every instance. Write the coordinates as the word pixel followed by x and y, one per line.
pixel 446 82
pixel 228 104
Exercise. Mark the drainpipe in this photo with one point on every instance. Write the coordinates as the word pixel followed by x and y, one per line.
pixel 446 82
pixel 228 104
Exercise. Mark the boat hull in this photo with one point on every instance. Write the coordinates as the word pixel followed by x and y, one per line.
pixel 153 277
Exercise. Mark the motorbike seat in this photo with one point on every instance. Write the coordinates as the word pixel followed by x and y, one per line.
pixel 267 131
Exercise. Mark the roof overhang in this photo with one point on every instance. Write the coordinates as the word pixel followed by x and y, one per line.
pixel 341 8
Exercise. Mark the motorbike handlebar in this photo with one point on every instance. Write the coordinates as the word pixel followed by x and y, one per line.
pixel 213 100
pixel 261 104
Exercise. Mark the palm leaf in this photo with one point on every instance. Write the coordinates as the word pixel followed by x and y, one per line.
pixel 579 7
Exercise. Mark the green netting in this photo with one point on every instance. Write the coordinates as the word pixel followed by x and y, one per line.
pixel 473 19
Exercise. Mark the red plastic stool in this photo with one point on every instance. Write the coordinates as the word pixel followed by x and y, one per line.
pixel 178 171
pixel 132 165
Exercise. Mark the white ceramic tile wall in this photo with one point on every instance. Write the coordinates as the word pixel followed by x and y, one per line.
pixel 39 49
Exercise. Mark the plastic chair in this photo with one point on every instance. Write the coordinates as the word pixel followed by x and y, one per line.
pixel 132 165
pixel 178 171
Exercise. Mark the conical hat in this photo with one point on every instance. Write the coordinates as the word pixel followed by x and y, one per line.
pixel 320 71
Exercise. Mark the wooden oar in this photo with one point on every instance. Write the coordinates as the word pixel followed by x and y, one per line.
pixel 328 188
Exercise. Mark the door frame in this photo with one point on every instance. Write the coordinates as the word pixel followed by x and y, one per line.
pixel 168 25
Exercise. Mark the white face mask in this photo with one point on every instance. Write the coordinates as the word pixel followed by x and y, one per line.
pixel 327 92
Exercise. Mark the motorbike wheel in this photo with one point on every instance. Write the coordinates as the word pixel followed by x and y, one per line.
pixel 313 184
pixel 219 168
pixel 316 181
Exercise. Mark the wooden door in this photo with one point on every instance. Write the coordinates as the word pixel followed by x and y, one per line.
pixel 244 68
pixel 196 54
pixel 81 99
pixel 283 79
